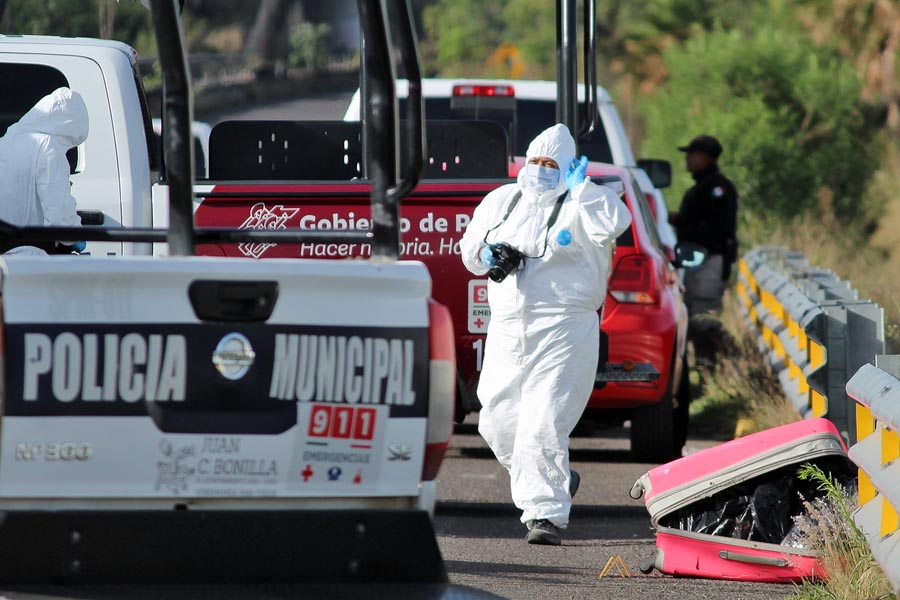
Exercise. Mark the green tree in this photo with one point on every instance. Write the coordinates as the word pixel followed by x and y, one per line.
pixel 459 37
pixel 530 26
pixel 51 17
pixel 309 45
pixel 788 113
pixel 126 21
pixel 866 32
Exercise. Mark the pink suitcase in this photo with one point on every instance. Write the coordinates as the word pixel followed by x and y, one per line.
pixel 724 512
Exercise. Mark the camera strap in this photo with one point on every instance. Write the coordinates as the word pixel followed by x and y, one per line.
pixel 550 222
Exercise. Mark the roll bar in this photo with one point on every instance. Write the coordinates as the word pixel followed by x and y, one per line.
pixel 381 149
pixel 380 127
pixel 415 105
pixel 591 112
pixel 567 68
pixel 178 113
pixel 566 65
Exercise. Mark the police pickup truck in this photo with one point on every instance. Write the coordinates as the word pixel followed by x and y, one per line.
pixel 187 418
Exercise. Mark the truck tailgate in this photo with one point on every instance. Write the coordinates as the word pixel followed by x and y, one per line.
pixel 217 378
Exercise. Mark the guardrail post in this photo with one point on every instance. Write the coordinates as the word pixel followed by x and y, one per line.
pixel 876 390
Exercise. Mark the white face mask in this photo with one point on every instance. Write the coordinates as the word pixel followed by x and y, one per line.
pixel 540 179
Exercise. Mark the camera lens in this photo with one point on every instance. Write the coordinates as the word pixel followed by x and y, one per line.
pixel 497 274
pixel 507 259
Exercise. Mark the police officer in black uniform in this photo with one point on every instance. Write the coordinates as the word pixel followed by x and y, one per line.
pixel 708 216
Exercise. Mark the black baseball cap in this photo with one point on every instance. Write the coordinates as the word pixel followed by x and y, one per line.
pixel 704 143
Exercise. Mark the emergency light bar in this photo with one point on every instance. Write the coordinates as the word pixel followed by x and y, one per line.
pixel 483 90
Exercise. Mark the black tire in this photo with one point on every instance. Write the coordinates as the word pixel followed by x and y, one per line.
pixel 682 414
pixel 653 427
pixel 586 427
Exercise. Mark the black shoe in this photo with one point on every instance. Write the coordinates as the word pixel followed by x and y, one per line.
pixel 543 532
pixel 574 482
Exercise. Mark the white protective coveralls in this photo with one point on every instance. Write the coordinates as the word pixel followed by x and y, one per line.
pixel 34 179
pixel 542 346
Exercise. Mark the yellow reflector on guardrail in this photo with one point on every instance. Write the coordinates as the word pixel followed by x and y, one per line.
pixel 816 354
pixel 778 347
pixel 866 488
pixel 865 422
pixel 888 518
pixel 818 402
pixel 890 446
pixel 744 295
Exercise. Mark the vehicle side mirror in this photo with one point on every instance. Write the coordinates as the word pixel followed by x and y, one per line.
pixel 689 255
pixel 659 171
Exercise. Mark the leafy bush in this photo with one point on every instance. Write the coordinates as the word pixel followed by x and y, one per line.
pixel 459 37
pixel 467 38
pixel 309 45
pixel 787 112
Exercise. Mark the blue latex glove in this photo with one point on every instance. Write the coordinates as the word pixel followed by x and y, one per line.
pixel 577 172
pixel 78 246
pixel 487 257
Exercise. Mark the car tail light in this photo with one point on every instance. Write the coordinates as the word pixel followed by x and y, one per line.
pixel 483 90
pixel 441 388
pixel 634 281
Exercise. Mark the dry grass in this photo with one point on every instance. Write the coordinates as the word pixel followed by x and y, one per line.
pixel 829 529
pixel 733 382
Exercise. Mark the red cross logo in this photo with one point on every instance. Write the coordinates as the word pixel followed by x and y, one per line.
pixel 307 473
pixel 479 323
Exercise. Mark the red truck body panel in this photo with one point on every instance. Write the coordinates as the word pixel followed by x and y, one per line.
pixel 433 220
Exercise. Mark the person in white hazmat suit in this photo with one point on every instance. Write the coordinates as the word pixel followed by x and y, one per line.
pixel 34 178
pixel 542 348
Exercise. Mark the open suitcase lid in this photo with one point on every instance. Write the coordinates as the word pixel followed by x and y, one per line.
pixel 684 481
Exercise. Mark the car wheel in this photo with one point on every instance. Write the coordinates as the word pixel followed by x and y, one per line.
pixel 682 411
pixel 653 427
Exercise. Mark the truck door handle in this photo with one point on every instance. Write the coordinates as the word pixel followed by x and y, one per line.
pixel 752 559
pixel 233 300
pixel 92 217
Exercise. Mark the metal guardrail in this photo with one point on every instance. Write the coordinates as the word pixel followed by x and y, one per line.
pixel 876 390
pixel 813 329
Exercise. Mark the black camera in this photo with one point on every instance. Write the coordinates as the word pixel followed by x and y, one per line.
pixel 506 260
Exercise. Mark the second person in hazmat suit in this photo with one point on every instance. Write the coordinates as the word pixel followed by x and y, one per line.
pixel 34 178
pixel 542 346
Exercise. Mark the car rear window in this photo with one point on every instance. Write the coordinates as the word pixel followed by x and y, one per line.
pixel 532 117
pixel 627 238
pixel 649 222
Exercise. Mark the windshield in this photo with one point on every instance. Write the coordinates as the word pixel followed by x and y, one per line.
pixel 532 117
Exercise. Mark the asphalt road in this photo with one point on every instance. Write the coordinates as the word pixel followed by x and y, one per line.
pixel 483 542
